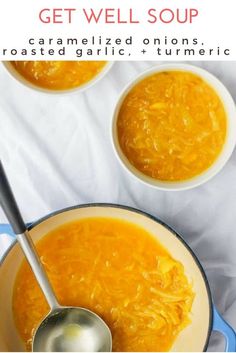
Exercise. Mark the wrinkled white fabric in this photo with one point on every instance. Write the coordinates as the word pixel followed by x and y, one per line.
pixel 57 153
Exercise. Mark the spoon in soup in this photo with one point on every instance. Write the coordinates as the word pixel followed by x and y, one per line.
pixel 64 329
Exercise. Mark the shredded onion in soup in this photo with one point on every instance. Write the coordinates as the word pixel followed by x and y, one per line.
pixel 172 126
pixel 117 270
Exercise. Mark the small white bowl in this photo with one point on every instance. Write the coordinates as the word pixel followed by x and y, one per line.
pixel 16 75
pixel 230 138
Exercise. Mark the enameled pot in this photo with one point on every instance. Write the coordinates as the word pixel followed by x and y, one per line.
pixel 204 317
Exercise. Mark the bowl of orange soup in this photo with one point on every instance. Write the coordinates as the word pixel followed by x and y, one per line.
pixel 125 265
pixel 58 76
pixel 174 126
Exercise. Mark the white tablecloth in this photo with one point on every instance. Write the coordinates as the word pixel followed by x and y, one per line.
pixel 57 153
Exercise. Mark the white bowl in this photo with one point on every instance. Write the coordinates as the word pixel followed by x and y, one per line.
pixel 16 75
pixel 227 148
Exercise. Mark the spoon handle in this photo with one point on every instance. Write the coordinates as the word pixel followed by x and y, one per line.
pixel 9 205
pixel 11 210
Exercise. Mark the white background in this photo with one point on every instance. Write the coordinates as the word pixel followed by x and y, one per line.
pixel 215 25
pixel 57 153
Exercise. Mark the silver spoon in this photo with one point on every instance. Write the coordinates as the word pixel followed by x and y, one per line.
pixel 64 329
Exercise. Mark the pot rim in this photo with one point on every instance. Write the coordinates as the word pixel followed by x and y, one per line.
pixel 143 213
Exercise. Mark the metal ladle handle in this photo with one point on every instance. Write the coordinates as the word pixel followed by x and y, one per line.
pixel 11 210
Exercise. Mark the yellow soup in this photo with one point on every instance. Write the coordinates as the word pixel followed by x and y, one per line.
pixel 59 75
pixel 117 270
pixel 172 126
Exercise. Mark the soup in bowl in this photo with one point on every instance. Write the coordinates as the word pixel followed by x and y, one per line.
pixel 174 127
pixel 58 76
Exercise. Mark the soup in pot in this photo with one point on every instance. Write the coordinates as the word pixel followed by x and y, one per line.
pixel 119 271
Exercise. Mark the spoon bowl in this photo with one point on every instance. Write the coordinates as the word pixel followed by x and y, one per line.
pixel 72 329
